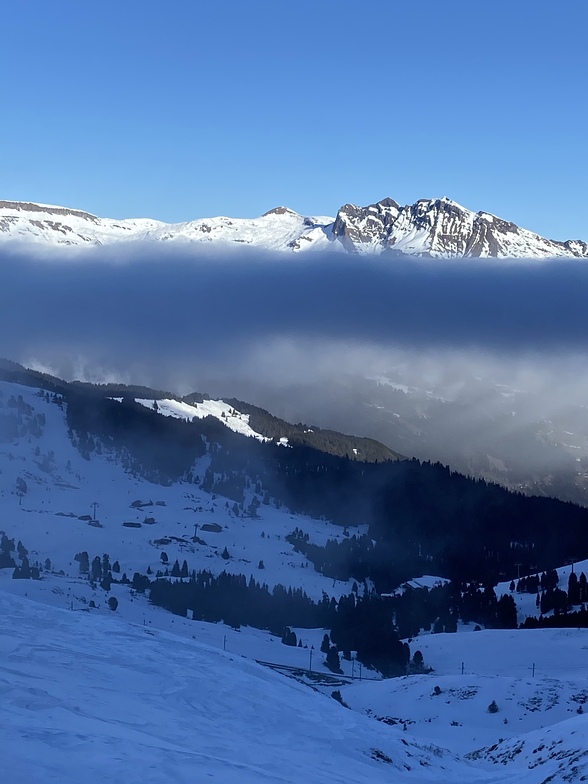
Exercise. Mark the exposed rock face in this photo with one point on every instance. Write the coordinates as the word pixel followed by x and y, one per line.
pixel 441 228
pixel 364 224
pixel 438 228
pixel 26 206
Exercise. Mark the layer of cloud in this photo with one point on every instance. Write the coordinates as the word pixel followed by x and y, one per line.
pixel 121 307
pixel 491 352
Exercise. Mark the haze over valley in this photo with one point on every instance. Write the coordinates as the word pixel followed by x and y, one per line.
pixel 293 393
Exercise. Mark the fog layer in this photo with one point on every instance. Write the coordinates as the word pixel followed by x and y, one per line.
pixel 299 333
pixel 160 304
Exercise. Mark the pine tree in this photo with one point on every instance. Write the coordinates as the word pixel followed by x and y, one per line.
pixel 582 583
pixel 332 660
pixel 97 569
pixel 84 561
pixel 574 592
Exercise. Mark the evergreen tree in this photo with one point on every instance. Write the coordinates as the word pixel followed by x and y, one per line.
pixel 574 592
pixel 583 588
pixel 332 660
pixel 97 569
pixel 289 637
pixel 506 612
pixel 84 560
pixel 25 569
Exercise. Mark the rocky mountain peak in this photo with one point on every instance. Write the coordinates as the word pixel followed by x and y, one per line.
pixel 279 211
pixel 437 228
pixel 441 228
pixel 358 225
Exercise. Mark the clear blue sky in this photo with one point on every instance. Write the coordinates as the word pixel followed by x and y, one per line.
pixel 189 108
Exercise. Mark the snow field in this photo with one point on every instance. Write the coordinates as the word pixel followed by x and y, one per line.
pixel 48 721
pixel 95 698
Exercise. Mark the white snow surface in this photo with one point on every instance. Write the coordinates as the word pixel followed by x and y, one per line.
pixel 88 698
pixel 218 409
pixel 122 702
pixel 537 678
pixel 141 695
pixel 280 229
pixel 62 486
pixel 437 228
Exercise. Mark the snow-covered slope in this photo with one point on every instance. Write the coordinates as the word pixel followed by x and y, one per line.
pixel 536 677
pixel 278 229
pixel 95 699
pixel 229 416
pixel 61 487
pixel 124 702
pixel 141 694
pixel 429 227
pixel 555 754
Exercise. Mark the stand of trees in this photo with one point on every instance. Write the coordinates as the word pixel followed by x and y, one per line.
pixel 363 624
pixel 162 449
pixel 561 602
pixel 422 517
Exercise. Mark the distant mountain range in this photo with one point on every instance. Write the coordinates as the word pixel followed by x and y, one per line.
pixel 436 228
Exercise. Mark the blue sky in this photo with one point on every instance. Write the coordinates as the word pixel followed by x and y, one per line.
pixel 187 109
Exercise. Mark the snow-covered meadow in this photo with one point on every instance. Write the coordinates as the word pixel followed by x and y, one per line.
pixel 140 694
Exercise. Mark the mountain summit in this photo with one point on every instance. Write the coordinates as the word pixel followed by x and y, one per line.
pixel 441 228
pixel 437 228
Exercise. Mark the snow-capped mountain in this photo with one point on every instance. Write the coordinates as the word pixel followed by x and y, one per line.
pixel 438 228
pixel 442 228
pixel 278 229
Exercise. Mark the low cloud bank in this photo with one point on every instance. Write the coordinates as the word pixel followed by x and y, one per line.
pixel 123 308
pixel 491 353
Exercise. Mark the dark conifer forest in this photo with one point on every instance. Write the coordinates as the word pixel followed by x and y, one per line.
pixel 421 517
pixel 399 518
